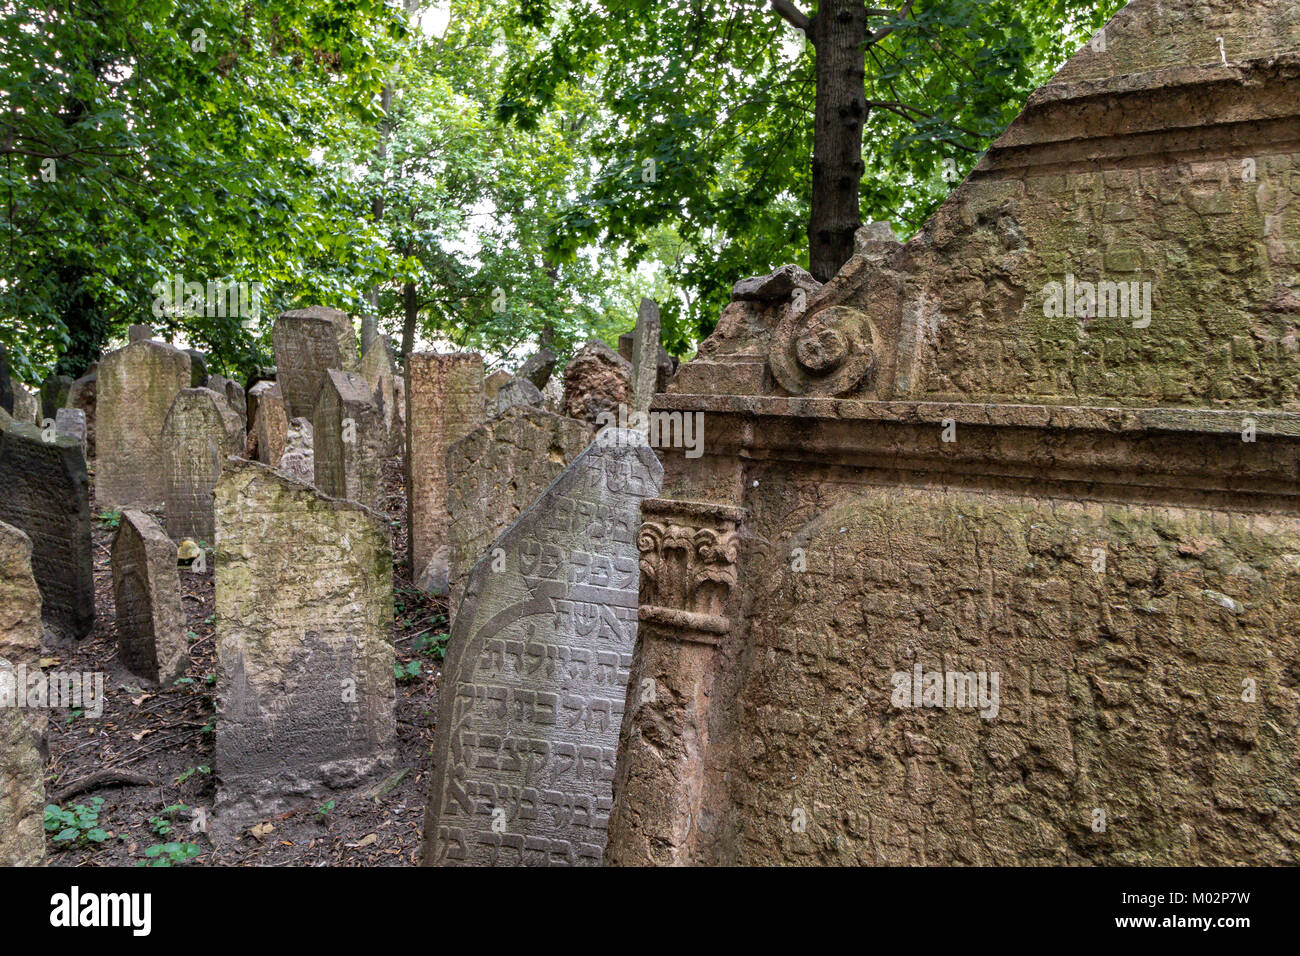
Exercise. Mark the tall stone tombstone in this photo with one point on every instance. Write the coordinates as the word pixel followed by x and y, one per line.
pixel 136 387
pixel 305 685
pixel 44 493
pixel 309 342
pixel 380 373
pixel 270 424
pixel 82 395
pixel 200 432
pixel 496 472
pixel 645 355
pixel 22 766
pixel 536 672
pixel 989 554
pixel 54 394
pixel 349 440
pixel 26 406
pixel 71 422
pixel 444 402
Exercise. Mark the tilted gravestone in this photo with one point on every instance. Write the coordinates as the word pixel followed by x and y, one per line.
pixel 147 599
pixel 349 440
pixel 444 401
pixel 496 472
pixel 200 432
pixel 536 672
pixel 22 768
pixel 304 607
pixel 309 342
pixel 44 493
pixel 136 387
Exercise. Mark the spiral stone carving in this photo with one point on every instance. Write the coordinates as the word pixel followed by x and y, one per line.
pixel 827 353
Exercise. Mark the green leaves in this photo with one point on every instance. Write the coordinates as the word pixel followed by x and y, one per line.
pixel 76 826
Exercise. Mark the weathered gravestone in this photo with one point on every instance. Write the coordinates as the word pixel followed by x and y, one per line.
pixel 71 423
pixel 82 395
pixel 536 672
pixel 136 387
pixel 138 333
pixel 349 440
pixel 22 780
pixel 22 730
pixel 299 458
pixel 44 493
pixel 26 406
pixel 516 392
pixel 990 557
pixel 380 373
pixel 444 402
pixel 309 342
pixel 269 427
pixel 200 432
pixel 597 380
pixel 198 368
pixel 496 472
pixel 54 394
pixel 538 368
pixel 645 356
pixel 151 639
pixel 304 604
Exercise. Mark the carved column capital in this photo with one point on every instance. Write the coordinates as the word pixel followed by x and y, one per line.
pixel 688 567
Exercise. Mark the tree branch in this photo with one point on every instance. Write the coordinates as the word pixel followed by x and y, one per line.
pixel 792 14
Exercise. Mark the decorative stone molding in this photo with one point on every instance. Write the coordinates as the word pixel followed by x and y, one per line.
pixel 688 566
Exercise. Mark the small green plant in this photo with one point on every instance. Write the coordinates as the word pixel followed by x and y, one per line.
pixel 186 774
pixel 77 826
pixel 405 673
pixel 110 519
pixel 434 645
pixel 170 854
pixel 323 811
pixel 162 823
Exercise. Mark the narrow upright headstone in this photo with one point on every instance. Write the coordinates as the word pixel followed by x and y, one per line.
pixel 349 440
pixel 444 402
pixel 83 395
pixel 137 385
pixel 309 342
pixel 270 424
pixel 238 401
pixel 26 406
pixel 45 494
pixel 645 355
pixel 299 458
pixel 381 375
pixel 54 394
pixel 198 368
pixel 147 598
pixel 23 742
pixel 71 423
pixel 200 432
pixel 536 672
pixel 138 333
pixel 496 472
pixel 305 683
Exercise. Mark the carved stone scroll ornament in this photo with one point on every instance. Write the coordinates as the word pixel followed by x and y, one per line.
pixel 825 354
pixel 688 566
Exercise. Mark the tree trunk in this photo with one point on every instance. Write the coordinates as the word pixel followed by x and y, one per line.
pixel 838 33
pixel 410 311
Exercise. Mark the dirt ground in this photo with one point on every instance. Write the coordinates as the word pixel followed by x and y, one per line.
pixel 165 737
